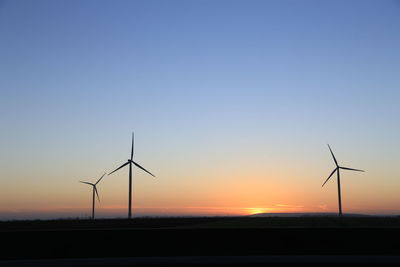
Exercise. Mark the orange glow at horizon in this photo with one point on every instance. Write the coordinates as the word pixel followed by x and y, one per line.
pixel 121 210
pixel 215 191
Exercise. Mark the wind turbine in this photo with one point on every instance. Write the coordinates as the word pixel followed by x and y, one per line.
pixel 337 169
pixel 94 191
pixel 131 162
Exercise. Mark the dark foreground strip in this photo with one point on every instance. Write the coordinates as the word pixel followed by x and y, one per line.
pixel 210 260
pixel 137 243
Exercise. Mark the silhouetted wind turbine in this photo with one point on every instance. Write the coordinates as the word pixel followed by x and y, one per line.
pixel 337 169
pixel 94 191
pixel 131 162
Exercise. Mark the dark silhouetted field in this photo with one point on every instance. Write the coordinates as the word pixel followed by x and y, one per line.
pixel 230 236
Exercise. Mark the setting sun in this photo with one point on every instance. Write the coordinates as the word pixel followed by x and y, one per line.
pixel 257 210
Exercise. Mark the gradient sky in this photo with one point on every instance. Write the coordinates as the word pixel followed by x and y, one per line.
pixel 232 103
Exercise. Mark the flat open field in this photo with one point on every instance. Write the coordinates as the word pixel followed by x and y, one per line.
pixel 229 236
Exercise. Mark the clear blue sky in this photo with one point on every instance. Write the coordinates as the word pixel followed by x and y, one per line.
pixel 205 85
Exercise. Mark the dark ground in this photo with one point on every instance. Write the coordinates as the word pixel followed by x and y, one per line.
pixel 175 238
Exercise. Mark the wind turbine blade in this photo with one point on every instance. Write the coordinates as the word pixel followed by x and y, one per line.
pixel 350 169
pixel 123 165
pixel 132 146
pixel 100 178
pixel 333 156
pixel 329 177
pixel 86 183
pixel 97 193
pixel 143 169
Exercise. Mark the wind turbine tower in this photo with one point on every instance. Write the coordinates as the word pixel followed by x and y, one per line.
pixel 337 170
pixel 130 162
pixel 94 192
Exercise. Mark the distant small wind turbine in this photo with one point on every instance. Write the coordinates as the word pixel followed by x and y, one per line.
pixel 131 162
pixel 337 169
pixel 94 191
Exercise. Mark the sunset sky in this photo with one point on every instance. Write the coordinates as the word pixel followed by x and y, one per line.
pixel 232 102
